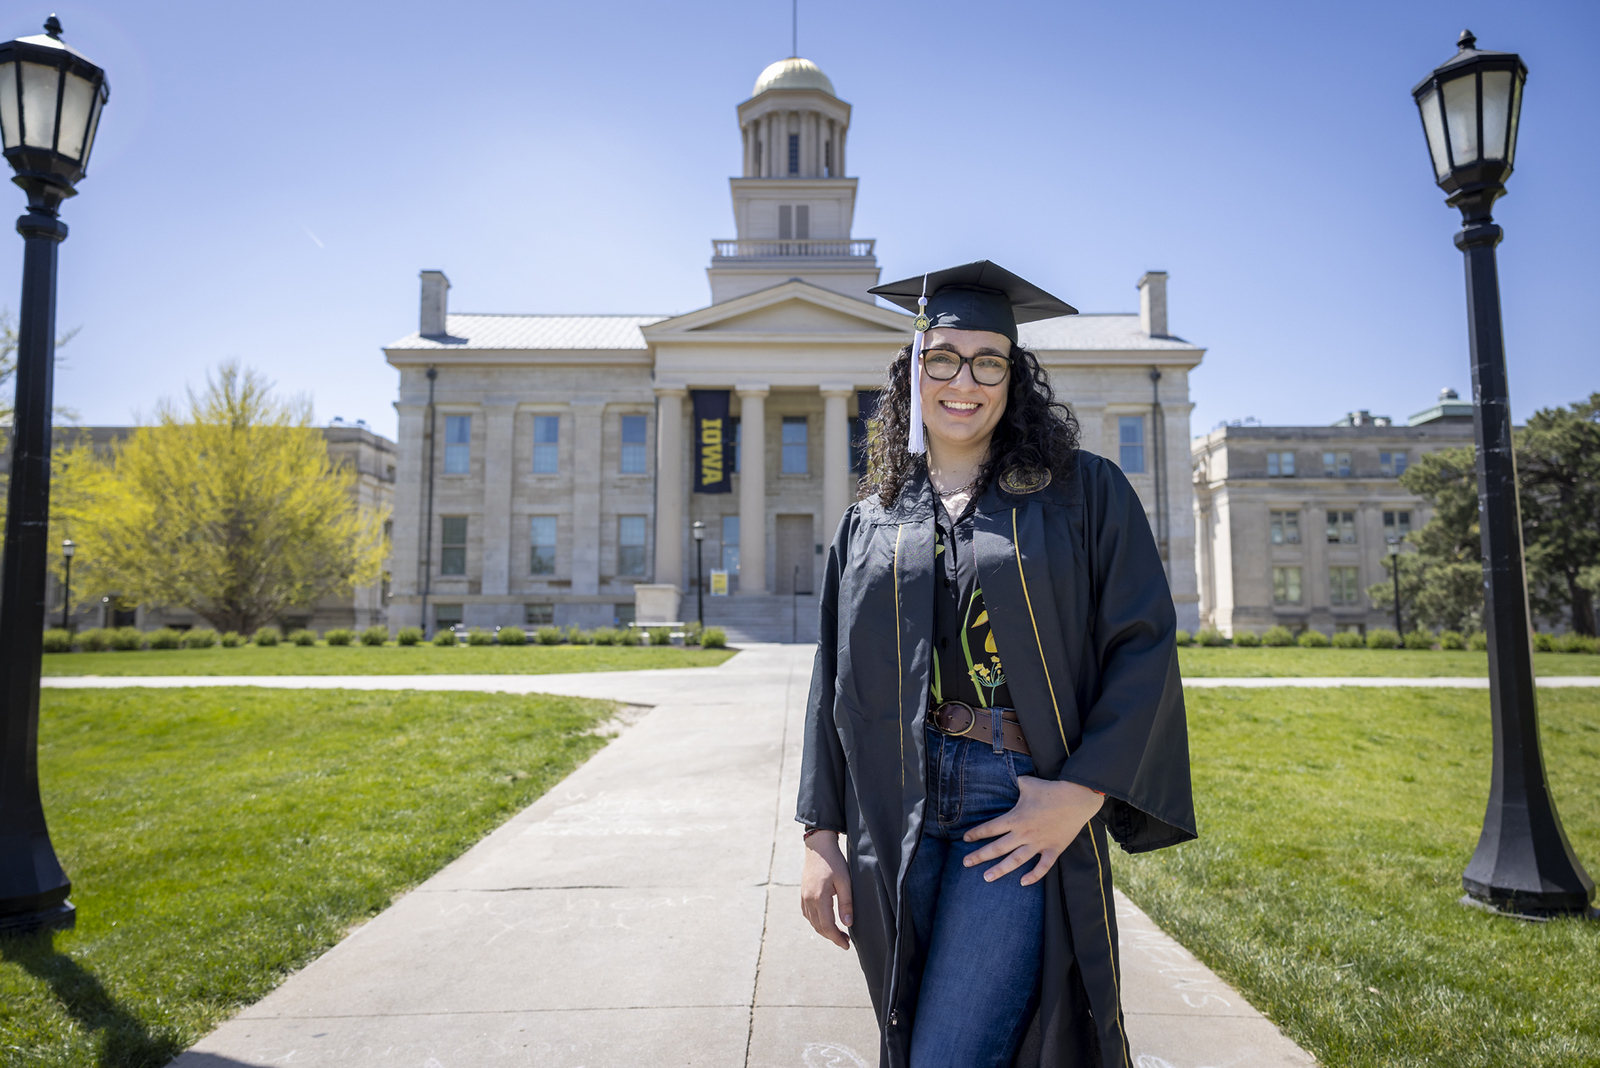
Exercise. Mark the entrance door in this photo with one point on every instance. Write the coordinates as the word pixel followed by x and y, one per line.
pixel 795 554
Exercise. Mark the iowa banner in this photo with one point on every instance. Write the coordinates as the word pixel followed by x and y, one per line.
pixel 713 442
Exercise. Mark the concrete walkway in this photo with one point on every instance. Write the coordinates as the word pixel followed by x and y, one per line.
pixel 645 912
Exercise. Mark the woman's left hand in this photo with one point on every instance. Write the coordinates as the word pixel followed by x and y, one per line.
pixel 1047 817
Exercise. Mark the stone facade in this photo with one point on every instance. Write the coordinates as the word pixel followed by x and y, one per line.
pixel 545 466
pixel 1297 541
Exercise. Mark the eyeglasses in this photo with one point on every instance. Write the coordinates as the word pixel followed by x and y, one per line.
pixel 943 365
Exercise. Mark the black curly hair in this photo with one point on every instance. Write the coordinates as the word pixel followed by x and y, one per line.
pixel 1036 430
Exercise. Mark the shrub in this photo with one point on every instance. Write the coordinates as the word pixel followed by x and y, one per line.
pixel 660 635
pixel 166 638
pixel 1382 638
pixel 339 636
pixel 302 637
pixel 58 640
pixel 231 639
pixel 479 636
pixel 548 635
pixel 200 638
pixel 1543 643
pixel 578 636
pixel 511 636
pixel 714 638
pixel 1247 639
pixel 127 639
pixel 408 636
pixel 1349 639
pixel 1210 637
pixel 1182 638
pixel 1574 643
pixel 1419 639
pixel 692 632
pixel 94 640
pixel 268 636
pixel 1478 640
pixel 1313 639
pixel 1277 637
pixel 1451 639
pixel 445 637
pixel 375 635
pixel 606 636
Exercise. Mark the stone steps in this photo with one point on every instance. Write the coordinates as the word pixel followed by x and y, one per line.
pixel 761 617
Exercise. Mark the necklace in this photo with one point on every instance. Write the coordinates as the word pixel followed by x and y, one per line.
pixel 946 494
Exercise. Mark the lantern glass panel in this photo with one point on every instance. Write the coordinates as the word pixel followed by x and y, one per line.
pixel 1516 111
pixel 39 84
pixel 1461 117
pixel 1496 112
pixel 1433 126
pixel 77 101
pixel 10 121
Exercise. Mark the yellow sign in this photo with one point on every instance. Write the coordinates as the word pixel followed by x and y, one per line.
pixel 719 583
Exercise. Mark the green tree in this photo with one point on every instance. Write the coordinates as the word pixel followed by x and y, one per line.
pixel 232 509
pixel 1558 479
pixel 1441 583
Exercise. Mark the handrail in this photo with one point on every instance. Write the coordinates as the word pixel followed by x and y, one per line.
pixel 800 248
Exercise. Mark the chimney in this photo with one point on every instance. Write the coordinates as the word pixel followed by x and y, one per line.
pixel 1153 303
pixel 435 302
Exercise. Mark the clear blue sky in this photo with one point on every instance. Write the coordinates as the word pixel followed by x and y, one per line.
pixel 269 179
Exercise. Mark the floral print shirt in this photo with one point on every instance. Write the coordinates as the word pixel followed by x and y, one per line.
pixel 966 662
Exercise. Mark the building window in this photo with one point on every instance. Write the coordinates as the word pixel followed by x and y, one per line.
pixel 1343 586
pixel 827 159
pixel 1341 528
pixel 633 445
pixel 794 445
pixel 1336 465
pixel 630 545
pixel 1393 464
pixel 730 544
pixel 1286 585
pixel 785 222
pixel 546 444
pixel 446 616
pixel 1130 435
pixel 624 614
pixel 453 545
pixel 538 615
pixel 794 221
pixel 1280 465
pixel 457 444
pixel 1396 525
pixel 544 545
pixel 794 153
pixel 1285 528
pixel 738 439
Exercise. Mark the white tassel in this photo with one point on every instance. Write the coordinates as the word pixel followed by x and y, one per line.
pixel 915 444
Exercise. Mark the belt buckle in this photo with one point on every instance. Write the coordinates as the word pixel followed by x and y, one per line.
pixel 972 717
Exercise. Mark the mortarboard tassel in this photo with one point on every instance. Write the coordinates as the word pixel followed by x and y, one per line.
pixel 914 443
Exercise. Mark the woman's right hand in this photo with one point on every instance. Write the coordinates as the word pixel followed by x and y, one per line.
pixel 824 877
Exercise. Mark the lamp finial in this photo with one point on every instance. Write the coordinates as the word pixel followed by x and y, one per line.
pixel 52 26
pixel 1466 41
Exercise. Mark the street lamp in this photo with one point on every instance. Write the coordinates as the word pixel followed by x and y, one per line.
pixel 698 529
pixel 1523 865
pixel 1394 565
pixel 50 103
pixel 67 549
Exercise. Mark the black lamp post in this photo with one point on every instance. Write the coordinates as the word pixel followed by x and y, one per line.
pixel 1523 864
pixel 1394 566
pixel 50 103
pixel 698 529
pixel 67 549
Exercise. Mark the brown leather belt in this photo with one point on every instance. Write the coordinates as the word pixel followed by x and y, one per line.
pixel 960 720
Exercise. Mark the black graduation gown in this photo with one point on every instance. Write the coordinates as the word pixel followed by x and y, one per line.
pixel 1084 621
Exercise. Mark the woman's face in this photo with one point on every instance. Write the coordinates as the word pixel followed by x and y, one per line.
pixel 962 412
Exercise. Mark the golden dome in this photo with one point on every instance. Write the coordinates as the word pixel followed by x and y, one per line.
pixel 793 73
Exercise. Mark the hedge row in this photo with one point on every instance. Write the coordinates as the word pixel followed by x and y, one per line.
pixel 99 639
pixel 1383 638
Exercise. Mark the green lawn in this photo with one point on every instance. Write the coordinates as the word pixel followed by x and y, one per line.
pixel 1295 662
pixel 1334 828
pixel 384 660
pixel 218 839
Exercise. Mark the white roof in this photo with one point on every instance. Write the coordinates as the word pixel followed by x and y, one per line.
pixel 1096 333
pixel 470 330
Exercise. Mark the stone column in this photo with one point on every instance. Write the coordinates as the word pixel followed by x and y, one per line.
pixel 753 489
pixel 587 423
pixel 499 459
pixel 836 475
pixel 410 498
pixel 669 485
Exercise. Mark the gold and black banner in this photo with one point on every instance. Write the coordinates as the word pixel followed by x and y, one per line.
pixel 713 442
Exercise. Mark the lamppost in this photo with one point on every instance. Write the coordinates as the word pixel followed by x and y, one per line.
pixel 698 529
pixel 50 103
pixel 67 549
pixel 1524 864
pixel 1394 565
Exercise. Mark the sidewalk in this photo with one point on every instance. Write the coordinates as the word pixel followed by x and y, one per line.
pixel 645 912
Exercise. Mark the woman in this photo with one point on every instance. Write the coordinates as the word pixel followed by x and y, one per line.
pixel 996 687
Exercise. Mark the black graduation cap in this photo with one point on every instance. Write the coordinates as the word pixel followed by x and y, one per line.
pixel 975 296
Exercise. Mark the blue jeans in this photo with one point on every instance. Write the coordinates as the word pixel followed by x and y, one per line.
pixel 982 940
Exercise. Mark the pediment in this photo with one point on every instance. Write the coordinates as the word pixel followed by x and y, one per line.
pixel 793 317
pixel 791 308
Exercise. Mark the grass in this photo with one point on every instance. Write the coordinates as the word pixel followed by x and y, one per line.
pixel 384 660
pixel 1334 829
pixel 219 839
pixel 1296 662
